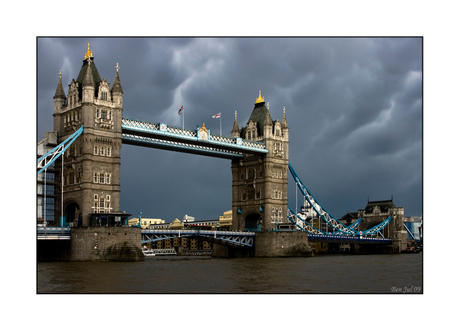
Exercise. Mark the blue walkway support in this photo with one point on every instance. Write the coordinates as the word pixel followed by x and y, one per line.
pixel 229 238
pixel 320 210
pixel 199 141
pixel 46 160
pixel 340 228
pixel 301 224
pixel 355 224
pixel 412 236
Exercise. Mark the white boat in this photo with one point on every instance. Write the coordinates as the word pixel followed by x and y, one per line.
pixel 148 252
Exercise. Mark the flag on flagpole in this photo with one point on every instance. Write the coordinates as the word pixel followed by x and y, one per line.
pixel 181 109
pixel 216 116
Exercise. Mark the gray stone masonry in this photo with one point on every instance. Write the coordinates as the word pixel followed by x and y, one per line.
pixel 106 244
pixel 282 243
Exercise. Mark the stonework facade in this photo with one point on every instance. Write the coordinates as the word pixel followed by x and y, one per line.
pixel 91 183
pixel 376 212
pixel 259 183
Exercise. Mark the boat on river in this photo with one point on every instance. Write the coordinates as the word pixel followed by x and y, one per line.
pixel 148 252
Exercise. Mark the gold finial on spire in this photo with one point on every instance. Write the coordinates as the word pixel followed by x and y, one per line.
pixel 60 74
pixel 260 98
pixel 89 53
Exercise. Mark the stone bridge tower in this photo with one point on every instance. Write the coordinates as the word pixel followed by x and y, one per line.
pixel 91 180
pixel 260 183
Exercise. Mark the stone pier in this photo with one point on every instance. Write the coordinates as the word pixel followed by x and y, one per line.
pixel 106 244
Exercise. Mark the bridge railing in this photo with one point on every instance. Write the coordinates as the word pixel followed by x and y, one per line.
pixel 163 129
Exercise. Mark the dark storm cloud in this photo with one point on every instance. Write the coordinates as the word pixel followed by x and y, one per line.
pixel 353 105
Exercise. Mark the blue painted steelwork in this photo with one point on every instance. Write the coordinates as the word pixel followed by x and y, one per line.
pixel 409 232
pixel 378 227
pixel 301 224
pixel 232 238
pixel 160 135
pixel 325 216
pixel 46 160
pixel 355 224
pixel 177 146
pixel 340 228
pixel 53 233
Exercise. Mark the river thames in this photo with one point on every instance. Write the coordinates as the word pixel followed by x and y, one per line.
pixel 327 274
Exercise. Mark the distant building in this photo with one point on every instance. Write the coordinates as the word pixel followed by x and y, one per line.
pixel 415 226
pixel 349 218
pixel 225 221
pixel 188 218
pixel 46 197
pixel 145 222
pixel 376 212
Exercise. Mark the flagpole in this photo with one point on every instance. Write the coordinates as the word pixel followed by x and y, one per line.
pixel 220 118
pixel 183 118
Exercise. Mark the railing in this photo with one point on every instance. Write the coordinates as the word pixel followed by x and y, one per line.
pixel 53 233
pixel 136 128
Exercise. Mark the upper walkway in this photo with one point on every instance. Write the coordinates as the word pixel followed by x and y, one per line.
pixel 199 141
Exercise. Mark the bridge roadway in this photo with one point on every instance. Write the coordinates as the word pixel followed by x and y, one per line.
pixel 231 238
pixel 199 141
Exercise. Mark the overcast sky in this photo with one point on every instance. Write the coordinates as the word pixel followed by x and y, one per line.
pixel 353 105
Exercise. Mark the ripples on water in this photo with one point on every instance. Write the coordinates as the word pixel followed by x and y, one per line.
pixel 180 274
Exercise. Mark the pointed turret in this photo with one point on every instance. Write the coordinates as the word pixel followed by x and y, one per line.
pixel 283 121
pixel 88 87
pixel 268 124
pixel 88 80
pixel 235 129
pixel 59 96
pixel 284 126
pixel 117 91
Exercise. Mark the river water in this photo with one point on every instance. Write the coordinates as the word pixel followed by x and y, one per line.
pixel 386 273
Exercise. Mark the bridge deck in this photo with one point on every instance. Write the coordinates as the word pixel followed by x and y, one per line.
pixel 162 136
pixel 234 238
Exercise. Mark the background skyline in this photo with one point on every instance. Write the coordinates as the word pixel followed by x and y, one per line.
pixel 353 106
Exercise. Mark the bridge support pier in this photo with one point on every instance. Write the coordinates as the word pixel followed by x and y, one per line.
pixel 282 244
pixel 106 244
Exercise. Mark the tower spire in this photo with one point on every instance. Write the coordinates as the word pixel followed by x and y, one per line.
pixel 260 98
pixel 89 53
pixel 235 129
pixel 284 121
pixel 59 89
pixel 116 86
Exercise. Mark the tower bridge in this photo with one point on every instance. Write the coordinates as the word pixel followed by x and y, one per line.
pixel 90 129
